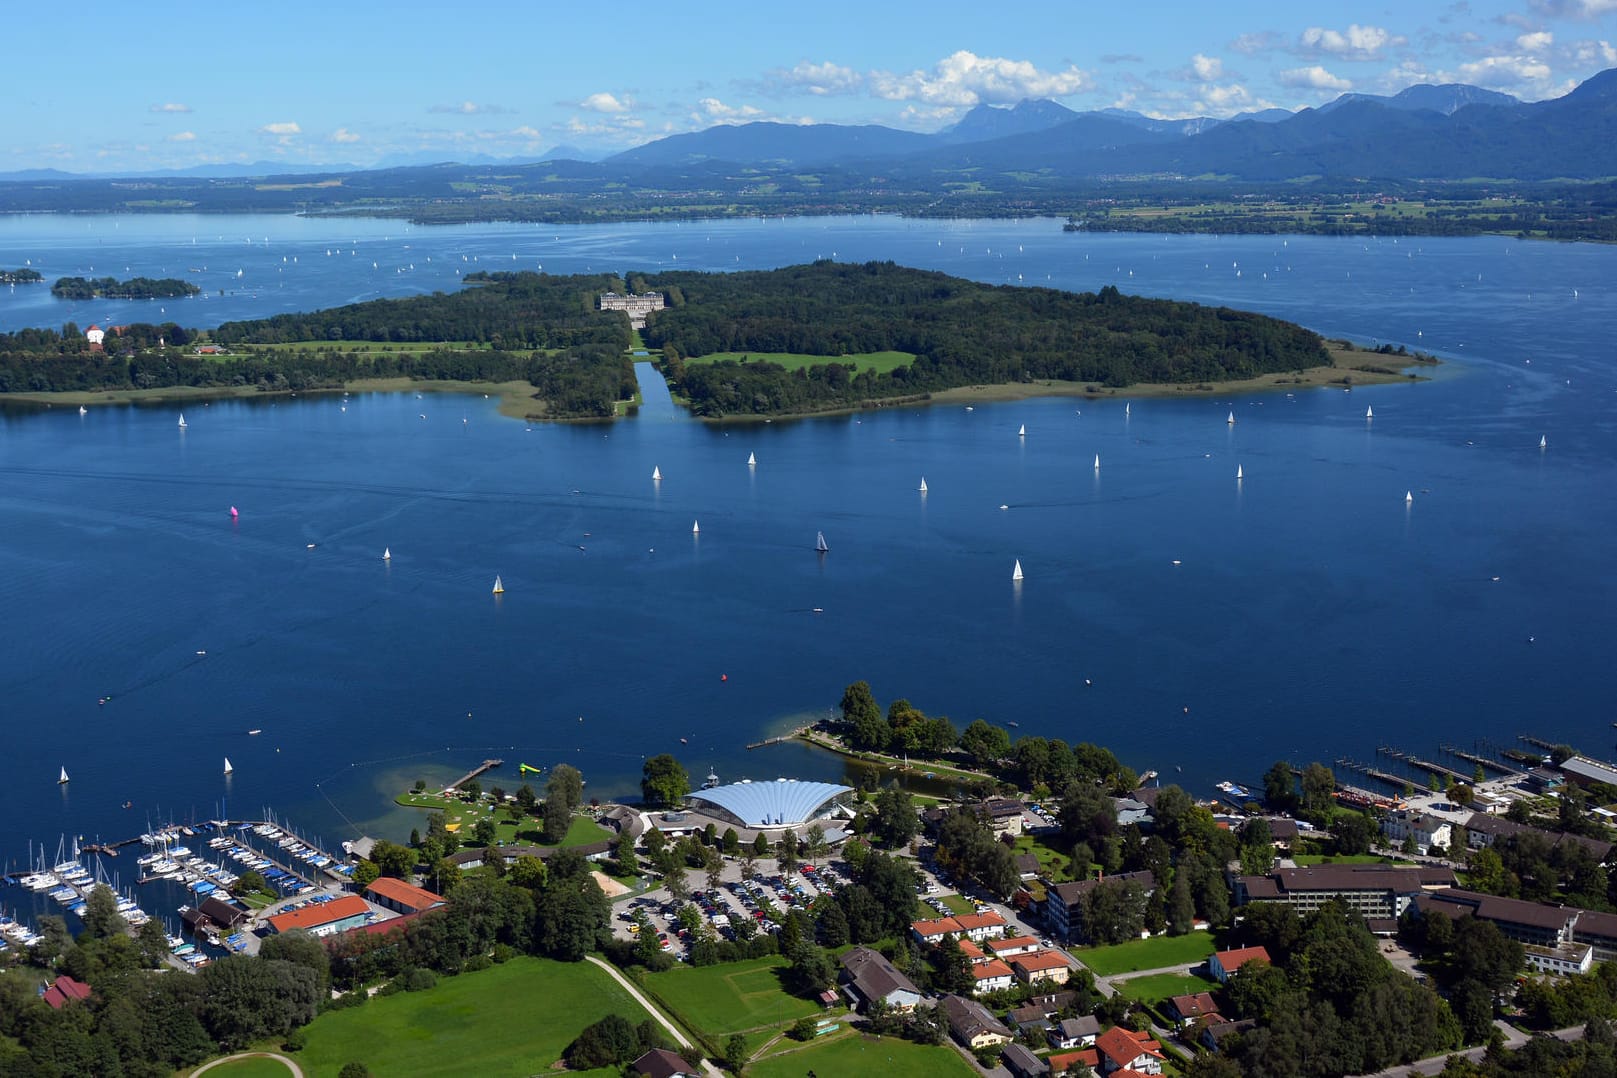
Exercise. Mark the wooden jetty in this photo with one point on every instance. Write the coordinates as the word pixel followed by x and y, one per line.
pixel 485 766
pixel 777 740
pixel 1424 765
pixel 1480 761
pixel 1538 742
pixel 1397 782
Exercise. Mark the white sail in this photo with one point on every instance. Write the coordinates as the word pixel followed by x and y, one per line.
pixel 656 474
pixel 819 542
pixel 228 768
pixel 1231 419
pixel 922 488
pixel 1016 570
pixel 1021 432
pixel 1369 413
pixel 499 588
pixel 387 553
pixel 1543 442
pixel 1097 462
pixel 64 776
pixel 83 410
pixel 1409 496
pixel 696 528
pixel 182 419
pixel 751 460
pixel 1238 473
pixel 1125 409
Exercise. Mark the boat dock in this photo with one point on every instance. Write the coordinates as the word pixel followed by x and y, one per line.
pixel 1537 742
pixel 482 768
pixel 1397 782
pixel 1480 761
pixel 1425 765
pixel 777 740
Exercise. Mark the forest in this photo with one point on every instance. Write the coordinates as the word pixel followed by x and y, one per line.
pixel 961 332
pixel 112 288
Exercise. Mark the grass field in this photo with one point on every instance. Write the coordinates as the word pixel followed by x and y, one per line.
pixel 251 1067
pixel 1055 865
pixel 731 997
pixel 957 904
pixel 1160 986
pixel 513 1019
pixel 882 362
pixel 859 1054
pixel 1154 953
pixel 464 816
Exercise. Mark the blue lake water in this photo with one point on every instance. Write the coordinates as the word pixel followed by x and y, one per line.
pixel 1312 613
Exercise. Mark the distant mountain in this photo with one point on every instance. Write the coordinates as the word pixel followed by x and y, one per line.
pixel 1262 116
pixel 987 122
pixel 1190 125
pixel 35 174
pixel 763 143
pixel 1447 99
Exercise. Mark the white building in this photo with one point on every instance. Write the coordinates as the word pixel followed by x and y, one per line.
pixel 1429 830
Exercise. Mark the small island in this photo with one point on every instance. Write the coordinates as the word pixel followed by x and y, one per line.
pixel 20 276
pixel 112 288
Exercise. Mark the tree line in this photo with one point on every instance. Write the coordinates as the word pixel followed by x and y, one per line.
pixel 961 333
pixel 112 288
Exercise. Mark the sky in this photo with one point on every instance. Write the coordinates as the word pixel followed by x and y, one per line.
pixel 103 86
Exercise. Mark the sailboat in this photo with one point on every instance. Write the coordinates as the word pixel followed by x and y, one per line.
pixel 922 487
pixel 1369 413
pixel 182 420
pixel 387 553
pixel 63 779
pixel 1125 408
pixel 752 461
pixel 1021 432
pixel 1016 570
pixel 819 542
pixel 83 410
pixel 499 588
pixel 1097 462
pixel 696 528
pixel 1543 442
pixel 1409 497
pixel 228 768
pixel 656 475
pixel 1231 419
pixel 1238 473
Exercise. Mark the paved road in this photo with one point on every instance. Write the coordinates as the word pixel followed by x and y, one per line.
pixel 297 1071
pixel 652 1009
pixel 1514 1038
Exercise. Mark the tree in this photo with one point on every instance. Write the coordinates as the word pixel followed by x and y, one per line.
pixel 735 1052
pixel 664 782
pixel 566 784
pixel 101 917
pixel 786 851
pixel 557 819
pixel 392 859
pixel 623 851
pixel 1181 912
pixel 862 720
pixel 483 832
pixel 730 842
pixel 527 800
pixel 354 1069
pixel 985 743
pixel 1353 831
pixel 895 821
pixel 1319 785
pixel 814 845
pixel 760 845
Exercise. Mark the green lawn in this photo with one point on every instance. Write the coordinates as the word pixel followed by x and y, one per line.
pixel 730 997
pixel 252 1067
pixel 1055 865
pixel 1154 953
pixel 465 815
pixel 513 1019
pixel 859 1054
pixel 1160 986
pixel 957 904
pixel 883 362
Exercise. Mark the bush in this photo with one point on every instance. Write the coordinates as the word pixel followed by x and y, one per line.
pixel 502 952
pixel 420 980
pixel 477 962
pixel 802 1029
pixel 294 1041
pixel 355 1069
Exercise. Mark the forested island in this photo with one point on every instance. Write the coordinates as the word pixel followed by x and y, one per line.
pixel 112 288
pixel 20 276
pixel 836 336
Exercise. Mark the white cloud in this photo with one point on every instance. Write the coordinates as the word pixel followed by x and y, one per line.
pixel 712 110
pixel 1574 9
pixel 1314 78
pixel 1537 41
pixel 470 108
pixel 342 134
pixel 1206 68
pixel 818 79
pixel 283 129
pixel 171 106
pixel 1504 71
pixel 1254 43
pixel 603 102
pixel 1356 43
pixel 183 136
pixel 965 79
pixel 1225 100
pixel 1594 52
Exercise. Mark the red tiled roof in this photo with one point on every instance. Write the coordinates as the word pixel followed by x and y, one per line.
pixel 1059 1062
pixel 1240 956
pixel 1124 1046
pixel 322 914
pixel 992 968
pixel 969 921
pixel 934 928
pixel 1011 943
pixel 1040 960
pixel 63 989
pixel 405 894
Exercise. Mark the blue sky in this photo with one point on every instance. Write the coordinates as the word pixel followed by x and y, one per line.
pixel 106 86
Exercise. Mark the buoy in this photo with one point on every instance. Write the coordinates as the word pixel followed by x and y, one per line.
pixel 724 677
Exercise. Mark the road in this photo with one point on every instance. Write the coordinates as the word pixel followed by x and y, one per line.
pixel 652 1009
pixel 297 1071
pixel 1514 1038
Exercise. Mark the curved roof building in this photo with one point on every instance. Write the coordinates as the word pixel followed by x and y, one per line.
pixel 782 803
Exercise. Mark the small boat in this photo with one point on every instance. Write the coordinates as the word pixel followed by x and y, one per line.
pixel 1016 570
pixel 1409 496
pixel 819 542
pixel 254 733
pixel 228 768
pixel 499 588
pixel 696 527
pixel 656 475
pixel 63 779
pixel 83 410
pixel 182 420
pixel 1126 409
pixel 387 553
pixel 1097 462
pixel 1543 442
pixel 684 741
pixel 1231 420
pixel 922 487
pixel 1021 432
pixel 1238 473
pixel 234 512
pixel 1369 413
pixel 751 460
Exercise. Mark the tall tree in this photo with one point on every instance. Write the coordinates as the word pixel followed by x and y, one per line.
pixel 862 720
pixel 663 782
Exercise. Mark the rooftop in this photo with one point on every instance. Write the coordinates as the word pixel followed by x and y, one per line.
pixel 782 803
pixel 313 916
pixel 405 894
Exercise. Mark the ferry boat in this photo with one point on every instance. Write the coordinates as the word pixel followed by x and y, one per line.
pixel 1235 790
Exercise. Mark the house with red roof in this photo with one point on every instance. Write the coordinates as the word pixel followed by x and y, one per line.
pixel 1224 964
pixel 63 989
pixel 991 976
pixel 1041 967
pixel 1125 1050
pixel 401 897
pixel 324 918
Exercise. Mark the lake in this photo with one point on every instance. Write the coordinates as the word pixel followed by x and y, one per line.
pixel 1195 624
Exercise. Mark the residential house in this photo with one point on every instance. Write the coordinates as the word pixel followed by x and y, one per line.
pixel 1214 1035
pixel 1027 866
pixel 991 976
pixel 1041 967
pixel 60 991
pixel 1004 815
pixel 867 976
pixel 1124 1049
pixel 1023 1063
pixel 1481 830
pixel 1037 1012
pixel 1426 829
pixel 981 926
pixel 1074 1032
pixel 1186 1009
pixel 1224 964
pixel 661 1063
pixel 1064 902
pixel 1061 1062
pixel 401 897
pixel 1012 946
pixel 971 1023
pixel 931 933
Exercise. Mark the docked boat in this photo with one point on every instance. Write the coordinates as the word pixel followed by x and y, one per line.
pixel 1235 790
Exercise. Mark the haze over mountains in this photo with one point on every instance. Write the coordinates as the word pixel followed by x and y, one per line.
pixel 1449 132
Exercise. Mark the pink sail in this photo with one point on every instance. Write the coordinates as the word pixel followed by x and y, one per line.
pixel 233 512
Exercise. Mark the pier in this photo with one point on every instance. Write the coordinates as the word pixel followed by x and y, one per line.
pixel 482 768
pixel 1480 761
pixel 1538 742
pixel 1424 765
pixel 1397 782
pixel 777 740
